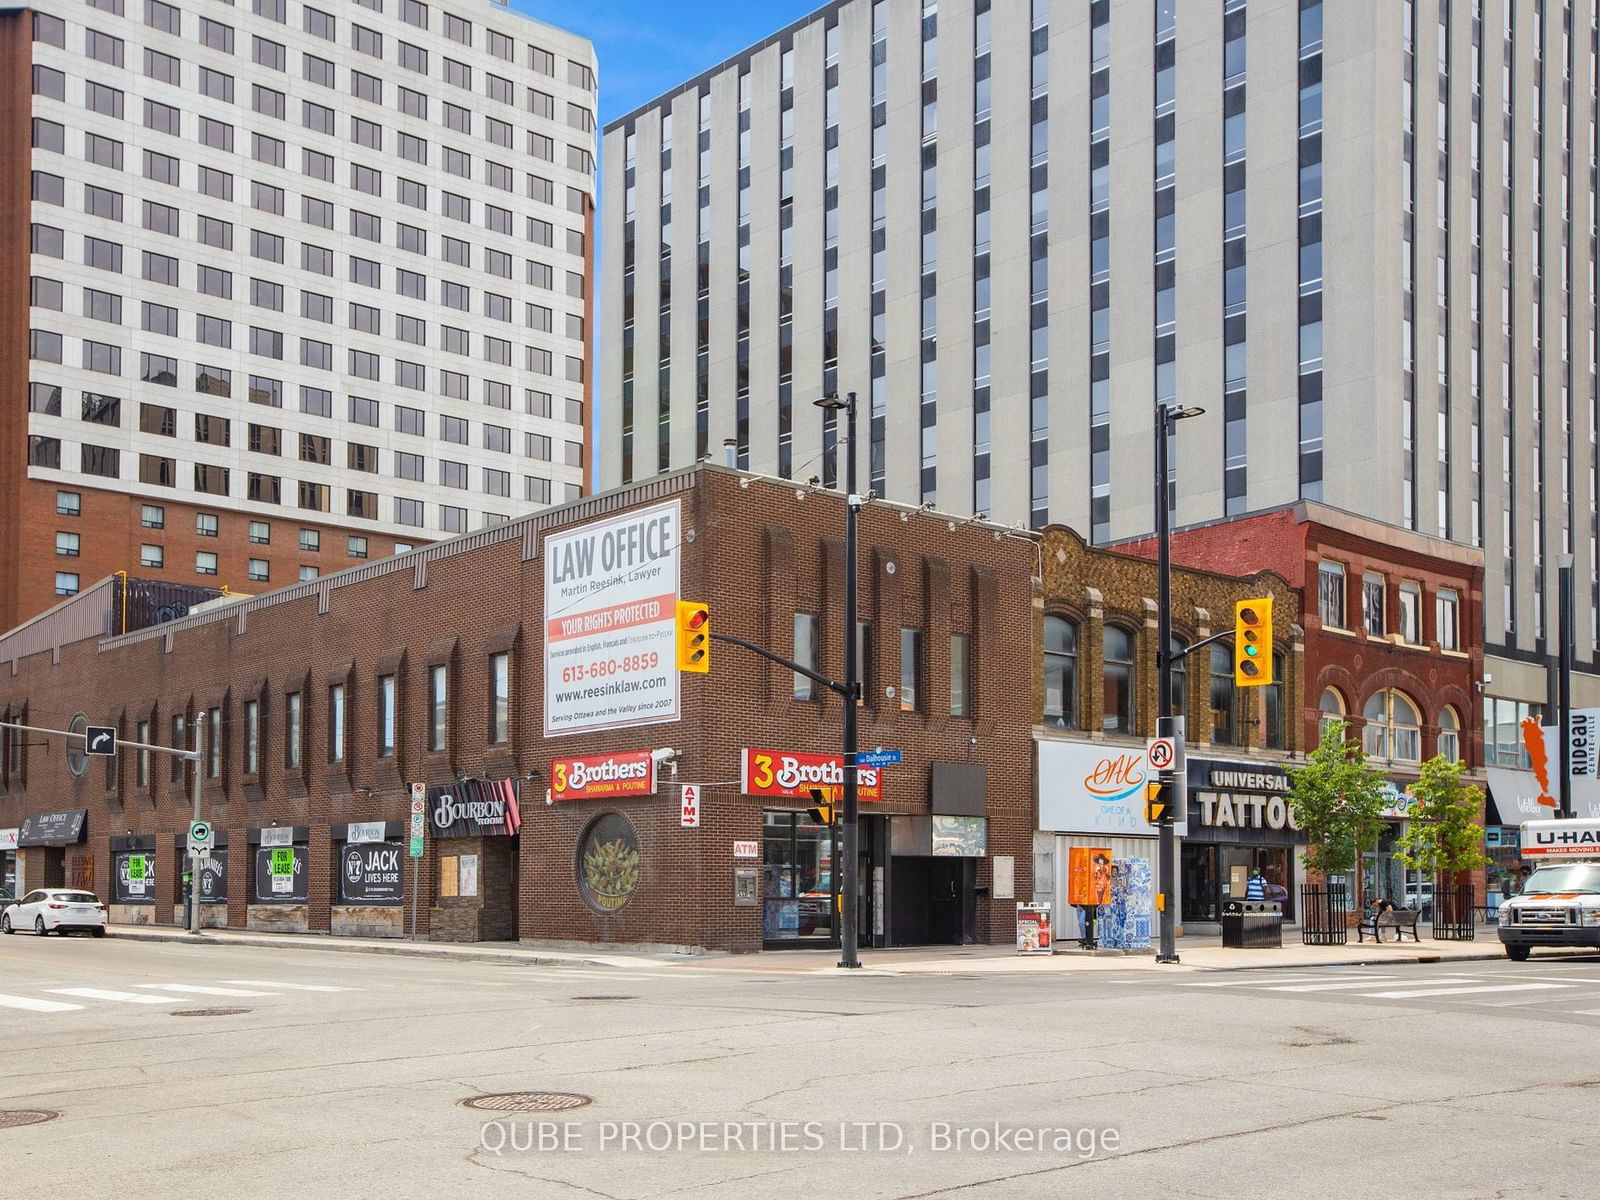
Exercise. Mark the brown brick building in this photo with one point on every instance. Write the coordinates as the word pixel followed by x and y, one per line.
pixel 327 701
pixel 1097 621
pixel 1393 639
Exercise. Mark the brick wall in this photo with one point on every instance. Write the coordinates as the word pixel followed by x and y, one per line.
pixel 1095 588
pixel 754 549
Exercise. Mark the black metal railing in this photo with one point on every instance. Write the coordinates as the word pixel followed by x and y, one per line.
pixel 1455 914
pixel 1324 915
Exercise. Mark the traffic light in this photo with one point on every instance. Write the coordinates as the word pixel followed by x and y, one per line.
pixel 1252 642
pixel 1158 803
pixel 694 637
pixel 822 814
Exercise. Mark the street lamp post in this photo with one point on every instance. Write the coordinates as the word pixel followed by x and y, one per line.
pixel 1167 416
pixel 849 876
pixel 1564 682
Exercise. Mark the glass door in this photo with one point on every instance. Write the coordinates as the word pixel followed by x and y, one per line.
pixel 798 884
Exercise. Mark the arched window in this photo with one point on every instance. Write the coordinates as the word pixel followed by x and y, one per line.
pixel 1332 710
pixel 1178 696
pixel 1060 673
pixel 1449 735
pixel 1393 729
pixel 1224 718
pixel 1117 716
pixel 1272 705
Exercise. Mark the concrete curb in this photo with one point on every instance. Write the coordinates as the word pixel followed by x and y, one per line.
pixel 402 950
pixel 1354 962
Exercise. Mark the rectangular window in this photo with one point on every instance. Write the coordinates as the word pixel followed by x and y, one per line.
pixel 66 583
pixel 179 742
pixel 205 562
pixel 69 504
pixel 960 675
pixel 336 723
pixel 386 716
pixel 252 737
pixel 142 768
pixel 1410 612
pixel 152 556
pixel 292 731
pixel 214 743
pixel 1446 619
pixel 1372 597
pixel 258 569
pixel 1330 594
pixel 806 652
pixel 499 698
pixel 438 706
pixel 67 544
pixel 910 668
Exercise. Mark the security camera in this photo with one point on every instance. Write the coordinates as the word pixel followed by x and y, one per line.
pixel 665 754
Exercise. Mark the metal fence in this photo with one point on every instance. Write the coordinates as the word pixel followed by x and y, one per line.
pixel 1455 914
pixel 1324 915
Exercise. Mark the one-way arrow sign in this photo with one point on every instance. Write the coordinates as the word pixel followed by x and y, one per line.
pixel 100 741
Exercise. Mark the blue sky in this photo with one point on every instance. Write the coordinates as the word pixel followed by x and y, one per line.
pixel 647 47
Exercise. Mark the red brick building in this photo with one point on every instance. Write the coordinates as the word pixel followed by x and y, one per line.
pixel 322 704
pixel 1393 625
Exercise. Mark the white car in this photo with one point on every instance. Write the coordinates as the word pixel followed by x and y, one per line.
pixel 58 910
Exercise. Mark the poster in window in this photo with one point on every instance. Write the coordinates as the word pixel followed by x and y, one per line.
pixel 133 877
pixel 608 862
pixel 371 873
pixel 280 875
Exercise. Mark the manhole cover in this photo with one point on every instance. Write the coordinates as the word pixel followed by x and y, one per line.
pixel 12 1117
pixel 528 1101
pixel 208 1012
pixel 605 997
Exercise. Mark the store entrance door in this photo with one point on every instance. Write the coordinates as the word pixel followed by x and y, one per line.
pixel 799 885
pixel 930 900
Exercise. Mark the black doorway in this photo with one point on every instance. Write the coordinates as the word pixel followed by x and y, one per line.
pixel 930 901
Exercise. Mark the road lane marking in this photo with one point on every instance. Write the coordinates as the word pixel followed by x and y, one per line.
pixel 200 991
pixel 293 987
pixel 1329 987
pixel 1263 980
pixel 1426 993
pixel 106 994
pixel 28 1004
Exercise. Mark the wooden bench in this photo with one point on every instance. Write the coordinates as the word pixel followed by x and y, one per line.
pixel 1398 919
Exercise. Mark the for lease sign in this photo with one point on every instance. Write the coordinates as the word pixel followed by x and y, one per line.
pixel 610 597
pixel 603 777
pixel 791 775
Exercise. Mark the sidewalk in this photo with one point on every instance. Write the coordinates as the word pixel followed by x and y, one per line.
pixel 1195 954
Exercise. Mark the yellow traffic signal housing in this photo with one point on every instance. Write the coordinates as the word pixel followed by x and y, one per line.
pixel 822 813
pixel 1252 642
pixel 694 637
pixel 1157 803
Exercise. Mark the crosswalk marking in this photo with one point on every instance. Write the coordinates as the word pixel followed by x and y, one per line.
pixel 189 989
pixel 293 987
pixel 28 1004
pixel 1262 980
pixel 107 994
pixel 1342 985
pixel 1428 993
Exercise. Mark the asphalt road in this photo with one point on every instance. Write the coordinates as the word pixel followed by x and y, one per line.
pixel 343 1074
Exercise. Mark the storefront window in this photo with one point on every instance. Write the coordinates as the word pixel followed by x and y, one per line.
pixel 1118 679
pixel 798 891
pixel 1224 725
pixel 1502 731
pixel 1060 673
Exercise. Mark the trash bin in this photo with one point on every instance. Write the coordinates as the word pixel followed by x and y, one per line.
pixel 1252 925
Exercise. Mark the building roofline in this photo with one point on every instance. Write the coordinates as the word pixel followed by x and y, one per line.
pixel 749 52
pixel 1315 512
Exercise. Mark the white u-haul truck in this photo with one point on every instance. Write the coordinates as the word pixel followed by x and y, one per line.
pixel 1559 904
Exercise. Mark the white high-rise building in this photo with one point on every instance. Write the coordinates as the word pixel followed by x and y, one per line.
pixel 1361 235
pixel 308 283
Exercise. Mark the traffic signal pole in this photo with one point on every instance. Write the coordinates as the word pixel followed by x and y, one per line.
pixel 1168 848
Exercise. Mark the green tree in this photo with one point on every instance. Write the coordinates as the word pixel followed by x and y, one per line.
pixel 1338 801
pixel 1442 837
